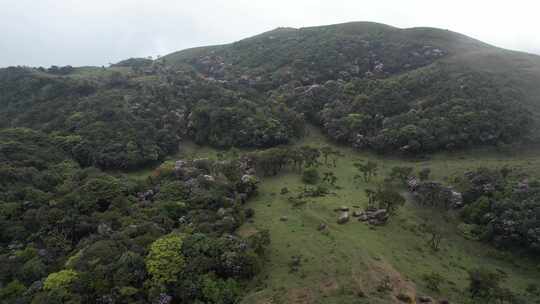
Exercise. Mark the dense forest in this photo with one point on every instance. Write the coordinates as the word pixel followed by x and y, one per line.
pixel 73 230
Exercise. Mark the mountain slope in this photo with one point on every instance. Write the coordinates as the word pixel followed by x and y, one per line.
pixel 355 48
pixel 394 87
pixel 365 84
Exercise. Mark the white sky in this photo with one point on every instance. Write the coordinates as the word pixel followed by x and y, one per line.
pixel 97 32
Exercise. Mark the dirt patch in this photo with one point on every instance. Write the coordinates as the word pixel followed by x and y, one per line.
pixel 382 275
pixel 328 287
pixel 246 231
pixel 300 296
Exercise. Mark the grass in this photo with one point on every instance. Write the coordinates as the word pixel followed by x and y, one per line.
pixel 353 259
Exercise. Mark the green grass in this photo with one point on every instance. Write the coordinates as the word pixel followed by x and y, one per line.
pixel 353 257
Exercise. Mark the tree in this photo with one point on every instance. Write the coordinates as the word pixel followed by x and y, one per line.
pixel 484 285
pixel 368 170
pixel 330 178
pixel 60 280
pixel 389 199
pixel 401 174
pixel 165 260
pixel 371 195
pixel 434 236
pixel 326 152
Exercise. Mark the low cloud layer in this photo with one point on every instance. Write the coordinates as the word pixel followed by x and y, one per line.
pixel 76 32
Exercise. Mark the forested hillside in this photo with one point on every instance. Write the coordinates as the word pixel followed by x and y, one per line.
pixel 104 199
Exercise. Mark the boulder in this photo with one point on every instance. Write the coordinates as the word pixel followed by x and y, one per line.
pixel 380 214
pixel 363 217
pixel 456 199
pixel 377 217
pixel 284 218
pixel 343 208
pixel 104 229
pixel 322 226
pixel 357 213
pixel 425 299
pixel 249 179
pixel 221 212
pixel 343 218
pixel 209 178
pixel 405 298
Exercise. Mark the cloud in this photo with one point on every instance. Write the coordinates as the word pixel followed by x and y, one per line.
pixel 76 32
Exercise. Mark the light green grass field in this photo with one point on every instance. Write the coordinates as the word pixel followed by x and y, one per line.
pixel 352 258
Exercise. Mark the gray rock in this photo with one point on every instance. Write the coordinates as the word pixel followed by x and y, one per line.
pixel 104 229
pixel 284 218
pixel 344 208
pixel 425 299
pixel 221 212
pixel 343 218
pixel 363 217
pixel 357 213
pixel 209 178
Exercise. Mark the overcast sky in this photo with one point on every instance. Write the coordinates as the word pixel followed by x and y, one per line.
pixel 98 32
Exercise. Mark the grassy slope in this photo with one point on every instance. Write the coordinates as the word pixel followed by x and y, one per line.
pixel 353 257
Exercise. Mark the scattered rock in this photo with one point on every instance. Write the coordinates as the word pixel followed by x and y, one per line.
pixel 104 229
pixel 357 213
pixel 343 218
pixel 209 178
pixel 425 299
pixel 363 217
pixel 405 298
pixel 221 212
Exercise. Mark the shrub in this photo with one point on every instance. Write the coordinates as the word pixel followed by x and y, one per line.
pixel 311 176
pixel 433 281
pixel 165 260
pixel 60 280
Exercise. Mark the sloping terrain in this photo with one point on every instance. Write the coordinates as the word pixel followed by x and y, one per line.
pixel 198 177
pixel 353 262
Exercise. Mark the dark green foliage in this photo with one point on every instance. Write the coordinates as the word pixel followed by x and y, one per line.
pixel 504 210
pixel 311 176
pixel 367 170
pixel 401 174
pixel 389 199
pixel 88 233
pixel 485 287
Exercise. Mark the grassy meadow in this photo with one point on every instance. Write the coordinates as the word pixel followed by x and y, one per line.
pixel 351 262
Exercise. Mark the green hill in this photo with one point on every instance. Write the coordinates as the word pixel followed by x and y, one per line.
pixel 350 163
pixel 385 88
